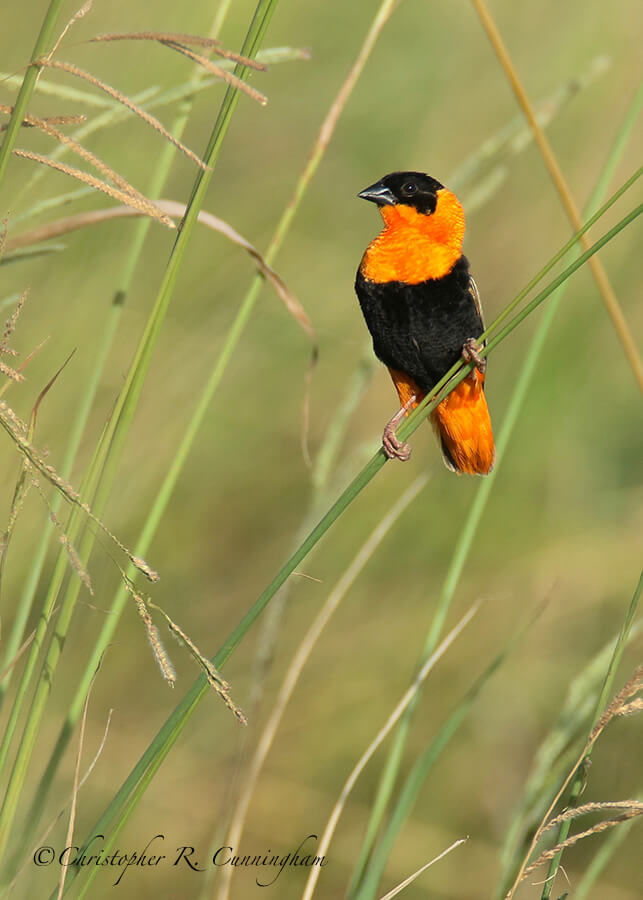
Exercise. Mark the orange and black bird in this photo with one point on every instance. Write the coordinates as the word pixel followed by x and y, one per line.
pixel 423 311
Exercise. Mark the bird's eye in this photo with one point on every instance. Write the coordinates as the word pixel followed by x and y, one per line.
pixel 410 188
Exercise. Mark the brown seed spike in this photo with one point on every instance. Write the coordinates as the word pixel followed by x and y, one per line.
pixel 143 567
pixel 180 38
pixel 126 198
pixel 160 654
pixel 122 98
pixel 228 77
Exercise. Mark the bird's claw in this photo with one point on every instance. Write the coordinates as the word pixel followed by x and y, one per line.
pixel 393 446
pixel 471 354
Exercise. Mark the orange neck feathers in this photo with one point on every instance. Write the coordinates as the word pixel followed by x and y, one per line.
pixel 414 247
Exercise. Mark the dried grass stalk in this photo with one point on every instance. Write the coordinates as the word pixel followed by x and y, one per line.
pixel 176 210
pixel 16 659
pixel 70 550
pixel 215 680
pixel 10 324
pixel 122 98
pixel 18 431
pixel 136 201
pixel 73 557
pixel 176 37
pixel 160 654
pixel 17 425
pixel 618 707
pixel 218 72
pixel 88 156
pixel 85 8
pixel 10 373
pixel 586 808
pixel 595 829
pixel 30 122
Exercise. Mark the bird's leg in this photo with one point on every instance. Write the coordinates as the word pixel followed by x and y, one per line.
pixel 393 446
pixel 471 354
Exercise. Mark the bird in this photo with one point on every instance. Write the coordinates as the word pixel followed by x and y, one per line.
pixel 423 310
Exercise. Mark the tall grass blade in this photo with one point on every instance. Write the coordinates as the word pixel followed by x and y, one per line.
pixel 596 267
pixel 425 762
pixel 159 177
pixel 296 667
pixel 467 534
pixel 126 799
pixel 108 453
pixel 28 84
pixel 606 691
pixel 394 717
pixel 229 345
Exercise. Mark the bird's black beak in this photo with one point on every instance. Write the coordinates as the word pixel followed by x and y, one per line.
pixel 378 193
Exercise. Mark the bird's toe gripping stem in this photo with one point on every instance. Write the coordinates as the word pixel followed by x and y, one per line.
pixel 393 446
pixel 471 354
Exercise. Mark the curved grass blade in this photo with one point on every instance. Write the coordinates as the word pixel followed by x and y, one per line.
pixel 175 211
pixel 599 274
pixel 113 438
pixel 126 799
pixel 425 762
pixel 579 777
pixel 467 534
pixel 231 340
pixel 28 85
pixel 108 334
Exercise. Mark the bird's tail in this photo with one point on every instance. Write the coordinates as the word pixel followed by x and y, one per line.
pixel 463 426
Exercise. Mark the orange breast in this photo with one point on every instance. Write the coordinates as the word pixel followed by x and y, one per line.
pixel 415 247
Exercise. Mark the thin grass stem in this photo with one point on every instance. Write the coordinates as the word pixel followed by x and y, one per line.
pixel 394 717
pixel 229 346
pixel 28 85
pixel 460 554
pixel 112 441
pixel 596 267
pixel 407 881
pixel 126 799
pixel 298 663
pixel 578 780
pixel 600 860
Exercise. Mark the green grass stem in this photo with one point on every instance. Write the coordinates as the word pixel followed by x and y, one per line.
pixel 557 752
pixel 155 188
pixel 597 864
pixel 126 799
pixel 370 863
pixel 106 458
pixel 230 343
pixel 494 337
pixel 423 765
pixel 578 781
pixel 28 85
pixel 150 98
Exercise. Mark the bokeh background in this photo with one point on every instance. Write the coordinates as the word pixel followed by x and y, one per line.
pixel 565 518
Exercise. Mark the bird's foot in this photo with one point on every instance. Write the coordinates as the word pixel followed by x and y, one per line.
pixel 393 446
pixel 471 354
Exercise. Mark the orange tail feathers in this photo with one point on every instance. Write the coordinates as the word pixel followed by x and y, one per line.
pixel 463 425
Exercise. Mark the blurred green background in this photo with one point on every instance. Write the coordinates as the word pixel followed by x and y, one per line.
pixel 565 517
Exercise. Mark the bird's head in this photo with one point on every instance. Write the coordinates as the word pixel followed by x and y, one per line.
pixel 414 189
